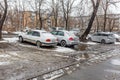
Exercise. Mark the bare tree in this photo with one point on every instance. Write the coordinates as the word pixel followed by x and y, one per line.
pixel 95 8
pixel 80 10
pixel 43 12
pixel 3 16
pixel 67 6
pixel 55 8
pixel 105 5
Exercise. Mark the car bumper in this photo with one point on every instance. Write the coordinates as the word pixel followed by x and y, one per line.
pixel 110 41
pixel 74 43
pixel 49 44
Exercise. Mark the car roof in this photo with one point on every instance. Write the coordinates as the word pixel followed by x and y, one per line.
pixel 40 30
pixel 63 30
pixel 104 33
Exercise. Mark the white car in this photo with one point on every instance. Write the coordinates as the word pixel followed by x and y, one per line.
pixel 39 37
pixel 76 31
pixel 65 38
pixel 102 37
pixel 117 37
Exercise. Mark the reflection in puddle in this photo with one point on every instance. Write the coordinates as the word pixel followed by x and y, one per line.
pixel 115 62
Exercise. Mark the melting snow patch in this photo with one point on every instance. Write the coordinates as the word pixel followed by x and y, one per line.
pixel 115 62
pixel 19 32
pixel 53 75
pixel 64 49
pixel 13 53
pixel 4 63
pixel 117 42
pixel 90 43
pixel 113 71
pixel 13 40
pixel 4 55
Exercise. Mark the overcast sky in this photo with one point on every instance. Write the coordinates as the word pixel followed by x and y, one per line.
pixel 113 9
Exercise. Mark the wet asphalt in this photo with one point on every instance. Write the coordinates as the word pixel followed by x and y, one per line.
pixel 107 70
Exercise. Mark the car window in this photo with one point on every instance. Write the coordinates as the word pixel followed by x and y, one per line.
pixel 29 32
pixel 54 32
pixel 96 35
pixel 36 33
pixel 60 33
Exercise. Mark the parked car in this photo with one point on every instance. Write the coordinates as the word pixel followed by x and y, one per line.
pixel 117 37
pixel 102 37
pixel 75 31
pixel 65 38
pixel 39 37
pixel 56 28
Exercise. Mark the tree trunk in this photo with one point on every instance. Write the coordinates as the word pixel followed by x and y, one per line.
pixel 2 18
pixel 87 31
pixel 104 22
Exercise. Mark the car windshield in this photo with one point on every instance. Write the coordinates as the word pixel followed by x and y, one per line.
pixel 109 35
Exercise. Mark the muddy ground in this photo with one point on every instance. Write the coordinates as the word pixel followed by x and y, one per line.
pixel 21 61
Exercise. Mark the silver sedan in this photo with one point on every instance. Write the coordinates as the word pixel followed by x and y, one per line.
pixel 65 38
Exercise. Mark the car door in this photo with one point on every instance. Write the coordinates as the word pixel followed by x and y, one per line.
pixel 60 36
pixel 35 36
pixel 95 37
pixel 28 36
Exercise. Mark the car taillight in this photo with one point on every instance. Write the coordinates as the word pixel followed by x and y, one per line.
pixel 71 39
pixel 48 40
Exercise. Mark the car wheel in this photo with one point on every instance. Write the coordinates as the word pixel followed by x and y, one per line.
pixel 103 41
pixel 117 40
pixel 89 39
pixel 20 39
pixel 63 43
pixel 38 43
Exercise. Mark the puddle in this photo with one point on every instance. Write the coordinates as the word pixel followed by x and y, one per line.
pixel 112 71
pixel 115 62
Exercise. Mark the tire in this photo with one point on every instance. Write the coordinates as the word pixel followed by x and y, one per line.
pixel 38 43
pixel 89 39
pixel 117 40
pixel 103 41
pixel 21 39
pixel 63 43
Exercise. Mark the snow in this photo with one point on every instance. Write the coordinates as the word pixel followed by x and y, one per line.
pixel 63 49
pixel 13 53
pixel 4 32
pixel 4 63
pixel 4 55
pixel 90 43
pixel 115 62
pixel 11 40
pixel 18 32
pixel 53 75
pixel 113 71
pixel 117 42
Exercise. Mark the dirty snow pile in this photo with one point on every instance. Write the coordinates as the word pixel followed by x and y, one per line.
pixel 63 49
pixel 11 40
pixel 115 62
